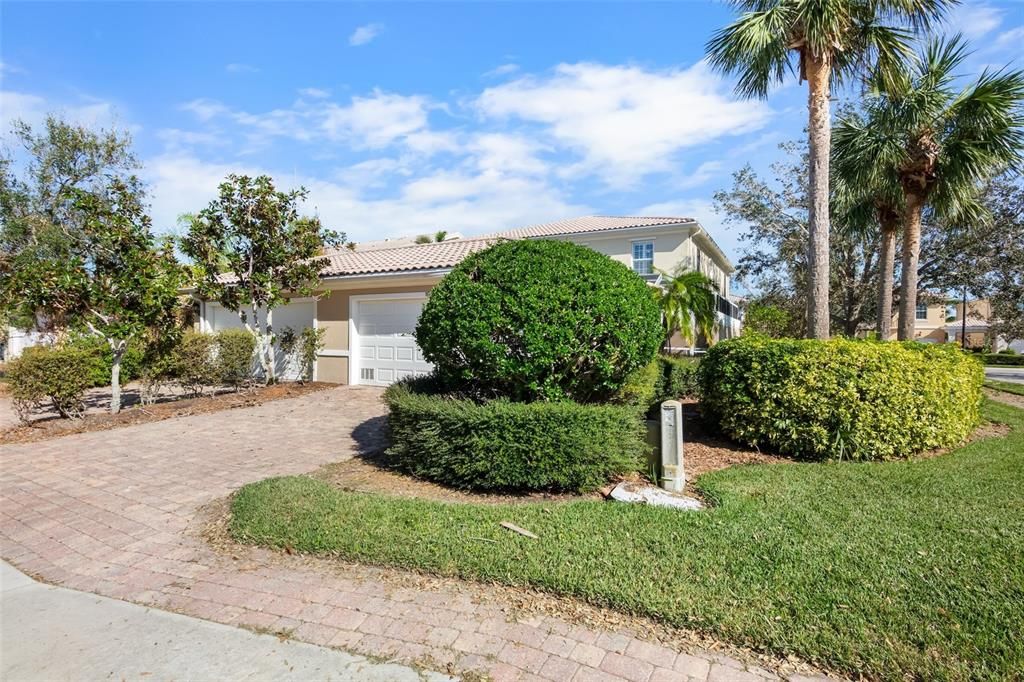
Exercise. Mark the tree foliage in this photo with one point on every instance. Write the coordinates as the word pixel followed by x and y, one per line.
pixel 78 246
pixel 687 301
pixel 252 249
pixel 774 260
pixel 933 145
pixel 823 42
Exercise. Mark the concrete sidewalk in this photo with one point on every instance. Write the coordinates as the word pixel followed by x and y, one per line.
pixel 52 633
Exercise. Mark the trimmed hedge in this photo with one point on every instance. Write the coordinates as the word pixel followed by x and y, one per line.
pixel 841 399
pixel 539 320
pixel 502 445
pixel 667 377
pixel 58 375
pixel 234 356
pixel 1003 359
pixel 99 373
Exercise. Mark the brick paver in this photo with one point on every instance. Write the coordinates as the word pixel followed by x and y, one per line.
pixel 117 513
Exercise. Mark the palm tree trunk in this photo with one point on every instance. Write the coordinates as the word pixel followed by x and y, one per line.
pixel 886 268
pixel 911 256
pixel 818 71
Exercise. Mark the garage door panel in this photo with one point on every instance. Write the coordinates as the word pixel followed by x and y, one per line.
pixel 387 348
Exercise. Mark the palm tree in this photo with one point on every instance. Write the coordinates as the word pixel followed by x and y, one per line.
pixel 687 302
pixel 823 42
pixel 860 209
pixel 936 145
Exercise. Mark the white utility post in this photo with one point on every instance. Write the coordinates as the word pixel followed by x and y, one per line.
pixel 672 476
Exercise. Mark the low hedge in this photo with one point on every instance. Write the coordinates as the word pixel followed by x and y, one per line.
pixel 503 445
pixel 841 399
pixel 667 377
pixel 1003 359
pixel 99 373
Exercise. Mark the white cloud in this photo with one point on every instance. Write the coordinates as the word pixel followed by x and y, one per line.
pixel 364 34
pixel 503 70
pixel 241 68
pixel 624 121
pixel 33 110
pixel 507 153
pixel 974 19
pixel 378 120
pixel 204 109
pixel 1010 39
pixel 315 93
pixel 181 183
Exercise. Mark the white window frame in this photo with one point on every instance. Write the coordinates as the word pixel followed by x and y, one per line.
pixel 353 327
pixel 632 255
pixel 917 312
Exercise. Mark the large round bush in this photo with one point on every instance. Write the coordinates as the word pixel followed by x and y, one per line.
pixel 841 399
pixel 539 320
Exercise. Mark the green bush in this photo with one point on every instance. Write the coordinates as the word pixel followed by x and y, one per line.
pixel 841 399
pixel 502 445
pixel 677 378
pixel 234 361
pixel 99 372
pixel 1003 359
pixel 303 347
pixel 58 375
pixel 193 364
pixel 539 320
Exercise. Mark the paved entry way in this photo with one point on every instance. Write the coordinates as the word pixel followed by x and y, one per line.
pixel 119 514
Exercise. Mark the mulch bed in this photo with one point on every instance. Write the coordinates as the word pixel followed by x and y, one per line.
pixel 1005 397
pixel 372 473
pixel 139 414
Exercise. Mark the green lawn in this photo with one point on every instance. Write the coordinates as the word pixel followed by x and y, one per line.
pixel 1007 386
pixel 898 569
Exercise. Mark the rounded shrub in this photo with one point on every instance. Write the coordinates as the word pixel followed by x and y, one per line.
pixel 504 445
pixel 539 320
pixel 44 374
pixel 234 351
pixel 841 399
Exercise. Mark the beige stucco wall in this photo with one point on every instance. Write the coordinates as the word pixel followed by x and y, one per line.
pixel 332 314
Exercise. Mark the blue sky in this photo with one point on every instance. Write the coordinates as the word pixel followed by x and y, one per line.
pixel 412 117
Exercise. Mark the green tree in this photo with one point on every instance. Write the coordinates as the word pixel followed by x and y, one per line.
pixel 39 172
pixel 108 275
pixel 687 302
pixel 767 320
pixel 824 42
pixel 251 249
pixel 773 214
pixel 936 144
pixel 867 211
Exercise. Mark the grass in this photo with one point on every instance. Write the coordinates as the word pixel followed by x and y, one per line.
pixel 1006 386
pixel 894 570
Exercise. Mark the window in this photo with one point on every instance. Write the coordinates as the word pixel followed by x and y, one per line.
pixel 922 311
pixel 643 258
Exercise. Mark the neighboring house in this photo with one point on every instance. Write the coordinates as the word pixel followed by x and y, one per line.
pixel 372 297
pixel 943 322
pixel 18 340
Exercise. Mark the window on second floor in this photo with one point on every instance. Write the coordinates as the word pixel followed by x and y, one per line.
pixel 922 311
pixel 643 258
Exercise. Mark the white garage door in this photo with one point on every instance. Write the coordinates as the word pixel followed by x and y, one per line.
pixel 385 348
pixel 297 315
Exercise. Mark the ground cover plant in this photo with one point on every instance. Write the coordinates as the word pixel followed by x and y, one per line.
pixel 891 569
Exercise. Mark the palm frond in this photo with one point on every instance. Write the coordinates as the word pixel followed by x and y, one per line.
pixel 755 49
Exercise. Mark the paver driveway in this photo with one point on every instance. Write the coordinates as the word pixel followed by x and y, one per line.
pixel 117 513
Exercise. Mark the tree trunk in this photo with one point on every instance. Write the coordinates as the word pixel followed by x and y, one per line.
pixel 818 71
pixel 911 256
pixel 886 275
pixel 115 377
pixel 269 348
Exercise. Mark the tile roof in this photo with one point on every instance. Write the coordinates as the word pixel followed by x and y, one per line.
pixel 590 223
pixel 446 254
pixel 433 256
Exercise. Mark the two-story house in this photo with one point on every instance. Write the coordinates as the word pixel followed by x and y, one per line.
pixel 938 321
pixel 376 294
